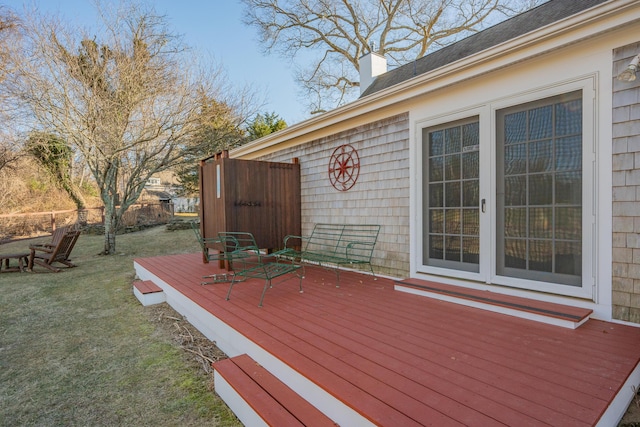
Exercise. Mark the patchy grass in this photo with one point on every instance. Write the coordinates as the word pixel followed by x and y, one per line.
pixel 632 417
pixel 77 348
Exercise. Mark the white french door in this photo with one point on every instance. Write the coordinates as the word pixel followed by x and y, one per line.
pixel 512 206
pixel 539 190
pixel 452 195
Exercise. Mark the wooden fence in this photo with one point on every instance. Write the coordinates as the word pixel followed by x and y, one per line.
pixel 33 224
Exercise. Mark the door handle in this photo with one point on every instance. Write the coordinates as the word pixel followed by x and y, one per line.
pixel 483 205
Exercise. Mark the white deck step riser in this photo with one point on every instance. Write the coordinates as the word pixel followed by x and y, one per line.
pixel 236 403
pixel 147 299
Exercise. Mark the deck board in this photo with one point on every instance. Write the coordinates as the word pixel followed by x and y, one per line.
pixel 390 355
pixel 401 359
pixel 390 352
pixel 388 332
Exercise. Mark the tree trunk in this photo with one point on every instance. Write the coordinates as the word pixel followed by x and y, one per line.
pixel 109 243
pixel 78 199
pixel 76 195
pixel 110 227
pixel 83 215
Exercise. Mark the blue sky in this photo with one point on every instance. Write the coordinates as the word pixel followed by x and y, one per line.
pixel 213 27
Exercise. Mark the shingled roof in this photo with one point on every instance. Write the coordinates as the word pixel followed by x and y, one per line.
pixel 538 17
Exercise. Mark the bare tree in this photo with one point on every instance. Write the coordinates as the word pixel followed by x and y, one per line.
pixel 342 31
pixel 9 34
pixel 125 98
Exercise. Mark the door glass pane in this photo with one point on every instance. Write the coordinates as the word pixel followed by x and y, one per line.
pixel 515 253
pixel 515 222
pixel 471 222
pixel 470 164
pixel 436 143
pixel 451 200
pixel 540 189
pixel 515 128
pixel 569 223
pixel 568 188
pixel 436 246
pixel 515 193
pixel 569 153
pixel 452 140
pixel 453 246
pixel 569 118
pixel 539 200
pixel 452 167
pixel 436 195
pixel 540 223
pixel 568 259
pixel 470 192
pixel 436 221
pixel 541 255
pixel 515 159
pixel 471 253
pixel 452 221
pixel 471 137
pixel 452 193
pixel 540 122
pixel 541 156
pixel 435 169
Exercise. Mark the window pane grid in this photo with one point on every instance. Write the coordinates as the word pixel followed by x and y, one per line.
pixel 542 179
pixel 452 199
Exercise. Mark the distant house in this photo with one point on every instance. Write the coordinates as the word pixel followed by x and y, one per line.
pixel 164 188
pixel 508 161
pixel 154 182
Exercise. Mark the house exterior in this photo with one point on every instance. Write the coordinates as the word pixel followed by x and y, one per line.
pixel 509 161
pixel 164 187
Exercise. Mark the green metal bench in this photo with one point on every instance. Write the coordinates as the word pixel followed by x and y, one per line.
pixel 247 262
pixel 336 245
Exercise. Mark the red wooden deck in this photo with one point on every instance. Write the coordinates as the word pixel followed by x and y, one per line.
pixel 399 359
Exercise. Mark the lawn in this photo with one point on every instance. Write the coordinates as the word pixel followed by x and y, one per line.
pixel 78 349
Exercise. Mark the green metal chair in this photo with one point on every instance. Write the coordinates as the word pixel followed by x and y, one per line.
pixel 242 249
pixel 208 245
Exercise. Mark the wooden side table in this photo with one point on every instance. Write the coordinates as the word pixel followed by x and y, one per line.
pixel 5 262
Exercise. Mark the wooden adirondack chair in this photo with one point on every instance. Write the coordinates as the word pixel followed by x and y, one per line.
pixel 45 256
pixel 56 236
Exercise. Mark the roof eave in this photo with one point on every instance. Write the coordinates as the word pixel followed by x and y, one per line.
pixel 610 15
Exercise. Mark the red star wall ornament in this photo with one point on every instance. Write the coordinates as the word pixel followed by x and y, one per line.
pixel 344 167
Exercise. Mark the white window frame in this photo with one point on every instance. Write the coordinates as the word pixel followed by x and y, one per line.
pixel 482 112
pixel 589 188
pixel 487 114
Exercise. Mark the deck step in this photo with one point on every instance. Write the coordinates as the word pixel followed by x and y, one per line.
pixel 258 398
pixel 148 293
pixel 546 312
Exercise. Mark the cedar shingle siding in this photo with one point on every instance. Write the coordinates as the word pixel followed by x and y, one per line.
pixel 626 191
pixel 380 196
